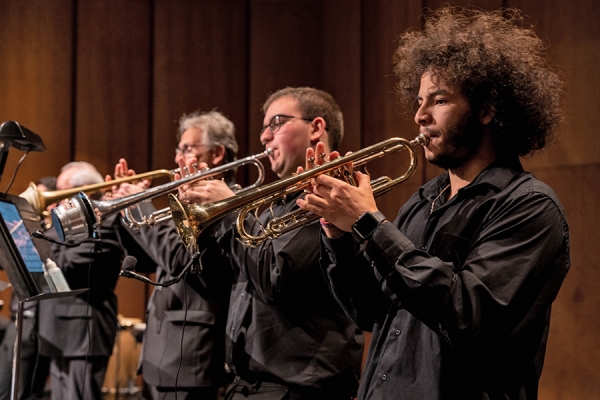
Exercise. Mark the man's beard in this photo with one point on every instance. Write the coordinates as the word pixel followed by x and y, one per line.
pixel 460 143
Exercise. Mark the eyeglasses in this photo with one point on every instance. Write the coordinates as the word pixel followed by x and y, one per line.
pixel 187 148
pixel 278 120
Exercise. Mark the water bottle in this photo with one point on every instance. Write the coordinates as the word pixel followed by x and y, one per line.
pixel 57 276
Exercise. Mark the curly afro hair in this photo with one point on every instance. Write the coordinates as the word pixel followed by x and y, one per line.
pixel 495 62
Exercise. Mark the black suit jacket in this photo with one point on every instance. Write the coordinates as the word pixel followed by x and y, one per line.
pixel 66 324
pixel 199 328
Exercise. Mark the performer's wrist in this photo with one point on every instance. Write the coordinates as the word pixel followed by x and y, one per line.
pixel 330 230
pixel 324 223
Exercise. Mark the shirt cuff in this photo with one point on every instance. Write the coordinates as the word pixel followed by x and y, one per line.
pixel 386 245
pixel 339 245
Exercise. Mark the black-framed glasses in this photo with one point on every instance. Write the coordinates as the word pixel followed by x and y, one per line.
pixel 188 148
pixel 278 120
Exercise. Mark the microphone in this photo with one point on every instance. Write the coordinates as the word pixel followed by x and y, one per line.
pixel 128 266
pixel 40 235
pixel 130 262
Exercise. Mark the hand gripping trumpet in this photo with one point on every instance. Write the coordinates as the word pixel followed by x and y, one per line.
pixel 192 219
pixel 79 217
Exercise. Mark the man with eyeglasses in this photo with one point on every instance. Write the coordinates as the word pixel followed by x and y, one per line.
pixel 286 336
pixel 183 344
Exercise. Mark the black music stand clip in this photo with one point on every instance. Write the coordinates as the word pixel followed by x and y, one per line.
pixel 15 135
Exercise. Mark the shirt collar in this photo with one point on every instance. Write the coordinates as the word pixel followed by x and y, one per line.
pixel 498 174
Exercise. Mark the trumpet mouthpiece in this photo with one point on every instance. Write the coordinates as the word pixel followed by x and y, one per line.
pixel 421 139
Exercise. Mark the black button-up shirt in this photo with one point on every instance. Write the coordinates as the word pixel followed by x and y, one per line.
pixel 458 298
pixel 284 326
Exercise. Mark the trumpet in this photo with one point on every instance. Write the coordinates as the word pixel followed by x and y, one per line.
pixel 40 201
pixel 79 217
pixel 192 219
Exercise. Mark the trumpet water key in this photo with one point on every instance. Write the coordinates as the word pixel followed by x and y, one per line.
pixel 192 219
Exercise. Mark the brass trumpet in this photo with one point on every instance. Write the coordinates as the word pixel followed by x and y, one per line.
pixel 192 219
pixel 78 218
pixel 39 200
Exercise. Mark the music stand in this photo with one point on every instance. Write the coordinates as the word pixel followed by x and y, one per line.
pixel 21 255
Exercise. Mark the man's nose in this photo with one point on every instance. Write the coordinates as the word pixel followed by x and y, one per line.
pixel 266 136
pixel 422 116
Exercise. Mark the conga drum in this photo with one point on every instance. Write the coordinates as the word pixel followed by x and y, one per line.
pixel 121 380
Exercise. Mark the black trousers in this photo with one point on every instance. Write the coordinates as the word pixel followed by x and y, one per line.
pixel 241 390
pixel 77 378
pixel 34 368
pixel 162 393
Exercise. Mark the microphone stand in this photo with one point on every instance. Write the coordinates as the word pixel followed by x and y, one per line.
pixel 127 273
pixel 40 235
pixel 16 367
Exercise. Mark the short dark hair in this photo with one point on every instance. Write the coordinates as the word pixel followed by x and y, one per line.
pixel 315 103
pixel 495 62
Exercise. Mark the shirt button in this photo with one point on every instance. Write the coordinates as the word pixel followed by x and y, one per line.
pixel 373 264
pixel 424 248
pixel 242 294
pixel 397 332
pixel 383 377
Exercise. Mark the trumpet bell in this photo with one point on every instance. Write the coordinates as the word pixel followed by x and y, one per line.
pixel 73 219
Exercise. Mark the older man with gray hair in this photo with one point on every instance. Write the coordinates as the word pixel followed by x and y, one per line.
pixel 183 352
pixel 78 333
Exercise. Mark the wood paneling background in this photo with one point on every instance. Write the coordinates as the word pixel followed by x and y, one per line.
pixel 100 79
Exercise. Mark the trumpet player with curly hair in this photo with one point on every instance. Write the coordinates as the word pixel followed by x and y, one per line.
pixel 457 290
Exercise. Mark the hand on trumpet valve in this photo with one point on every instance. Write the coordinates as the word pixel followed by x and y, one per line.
pixel 125 188
pixel 312 161
pixel 187 167
pixel 206 191
pixel 203 191
pixel 340 197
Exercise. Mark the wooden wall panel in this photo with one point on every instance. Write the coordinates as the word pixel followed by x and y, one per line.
pixel 572 365
pixel 573 37
pixel 286 49
pixel 112 99
pixel 35 88
pixel 306 43
pixel 200 63
pixel 342 60
pixel 35 82
pixel 382 23
pixel 113 73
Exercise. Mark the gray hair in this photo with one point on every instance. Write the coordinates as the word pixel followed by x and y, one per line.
pixel 217 129
pixel 85 174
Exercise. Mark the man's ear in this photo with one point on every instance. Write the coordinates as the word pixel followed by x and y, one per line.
pixel 218 154
pixel 487 113
pixel 318 130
